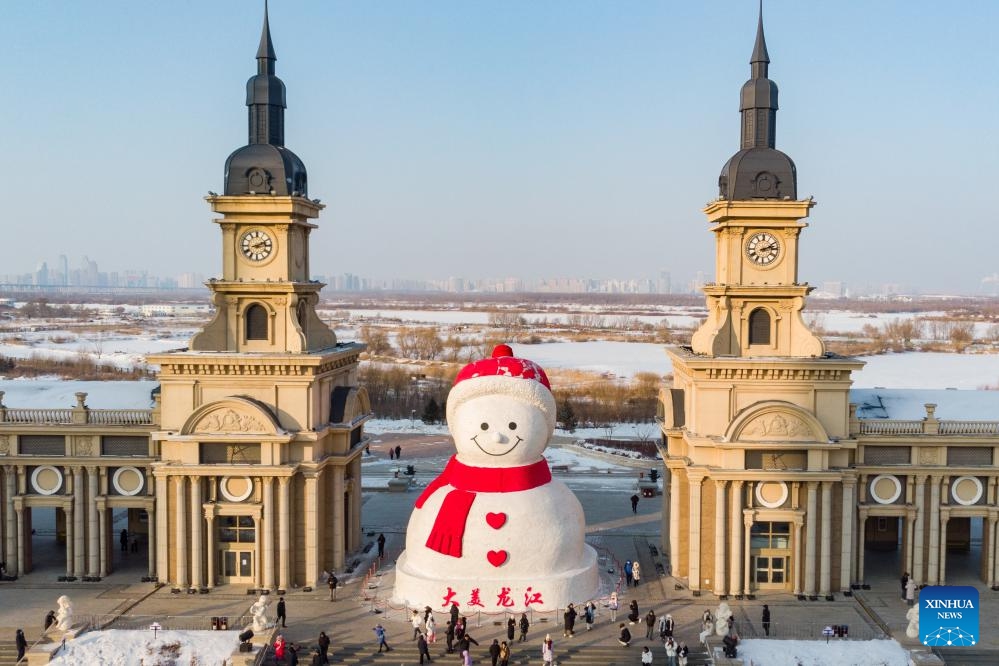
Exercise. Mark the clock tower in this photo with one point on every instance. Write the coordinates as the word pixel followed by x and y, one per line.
pixel 262 421
pixel 756 438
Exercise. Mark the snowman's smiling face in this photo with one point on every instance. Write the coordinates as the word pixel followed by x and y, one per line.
pixel 499 431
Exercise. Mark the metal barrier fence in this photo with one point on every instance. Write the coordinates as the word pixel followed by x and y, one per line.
pixel 811 631
pixel 178 622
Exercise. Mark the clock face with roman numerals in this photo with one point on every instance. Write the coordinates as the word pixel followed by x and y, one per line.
pixel 256 245
pixel 762 248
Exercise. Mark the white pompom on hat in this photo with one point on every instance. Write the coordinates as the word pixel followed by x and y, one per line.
pixel 503 374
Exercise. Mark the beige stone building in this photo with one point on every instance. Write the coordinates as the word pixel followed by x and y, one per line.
pixel 247 470
pixel 774 482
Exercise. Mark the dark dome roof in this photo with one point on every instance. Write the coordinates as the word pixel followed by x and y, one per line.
pixel 758 173
pixel 263 168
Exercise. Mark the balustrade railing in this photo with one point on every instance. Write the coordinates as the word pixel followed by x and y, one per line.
pixel 969 427
pixel 36 415
pixel 890 427
pixel 136 417
pixel 923 427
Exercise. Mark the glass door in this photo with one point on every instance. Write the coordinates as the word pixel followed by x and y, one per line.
pixel 236 566
pixel 770 548
pixel 770 571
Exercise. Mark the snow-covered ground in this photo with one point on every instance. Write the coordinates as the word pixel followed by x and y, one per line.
pixel 757 652
pixel 114 647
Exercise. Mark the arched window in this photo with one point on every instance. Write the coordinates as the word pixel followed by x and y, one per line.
pixel 759 327
pixel 256 322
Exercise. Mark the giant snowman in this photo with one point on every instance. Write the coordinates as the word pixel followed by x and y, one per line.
pixel 494 532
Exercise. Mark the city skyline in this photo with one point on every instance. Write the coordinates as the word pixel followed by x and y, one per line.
pixel 578 133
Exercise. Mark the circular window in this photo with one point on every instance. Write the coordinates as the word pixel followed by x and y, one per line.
pixel 771 494
pixel 128 481
pixel 966 490
pixel 885 488
pixel 46 480
pixel 236 488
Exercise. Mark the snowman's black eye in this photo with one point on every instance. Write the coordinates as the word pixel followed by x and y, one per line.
pixel 484 426
pixel 513 426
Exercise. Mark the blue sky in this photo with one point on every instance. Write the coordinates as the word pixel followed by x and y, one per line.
pixel 488 139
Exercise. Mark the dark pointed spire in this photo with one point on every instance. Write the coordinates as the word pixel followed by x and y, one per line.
pixel 758 170
pixel 760 58
pixel 265 52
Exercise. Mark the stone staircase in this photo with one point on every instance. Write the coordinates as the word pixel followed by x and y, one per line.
pixel 566 654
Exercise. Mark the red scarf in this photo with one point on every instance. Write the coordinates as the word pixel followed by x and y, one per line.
pixel 449 528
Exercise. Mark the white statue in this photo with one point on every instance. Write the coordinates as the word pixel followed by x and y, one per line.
pixel 912 615
pixel 64 616
pixel 722 616
pixel 259 612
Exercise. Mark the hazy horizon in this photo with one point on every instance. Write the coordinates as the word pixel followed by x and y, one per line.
pixel 478 140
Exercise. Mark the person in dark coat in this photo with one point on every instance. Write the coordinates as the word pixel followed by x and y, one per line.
pixel 633 615
pixel 625 636
pixel 21 642
pixel 524 626
pixel 569 618
pixel 627 573
pixel 634 503
pixel 292 655
pixel 449 636
pixel 123 540
pixel 766 619
pixel 494 651
pixel 454 614
pixel 324 648
pixel 464 643
pixel 281 613
pixel 398 452
pixel 421 645
pixel 50 619
pixel 332 582
pixel 381 546
pixel 904 580
pixel 511 629
pixel 650 623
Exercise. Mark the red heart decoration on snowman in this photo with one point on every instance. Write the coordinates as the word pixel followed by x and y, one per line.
pixel 496 520
pixel 496 557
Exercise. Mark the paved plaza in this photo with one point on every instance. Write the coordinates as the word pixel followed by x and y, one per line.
pixel 361 602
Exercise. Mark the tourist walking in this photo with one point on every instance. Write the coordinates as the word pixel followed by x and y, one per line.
pixel 627 573
pixel 681 654
pixel 636 573
pixel 524 626
pixel 910 591
pixel 547 650
pixel 431 628
pixel 381 638
pixel 123 540
pixel 766 619
pixel 282 614
pixel 464 643
pixel 421 645
pixel 569 622
pixel 449 636
pixel 646 656
pixel 511 629
pixel 332 582
pixel 494 652
pixel 634 503
pixel 668 627
pixel 624 638
pixel 324 648
pixel 589 614
pixel 613 605
pixel 381 546
pixel 904 580
pixel 417 623
pixel 650 623
pixel 504 655
pixel 21 643
pixel 671 656
pixel 279 648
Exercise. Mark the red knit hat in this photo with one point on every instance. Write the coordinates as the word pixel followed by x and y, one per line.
pixel 500 374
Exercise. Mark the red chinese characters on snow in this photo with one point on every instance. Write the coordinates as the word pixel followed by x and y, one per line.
pixel 504 598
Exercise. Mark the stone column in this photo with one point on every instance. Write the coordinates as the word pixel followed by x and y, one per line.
pixel 162 540
pixel 197 552
pixel 210 550
pixel 694 535
pixel 10 517
pixel 284 532
pixel 258 575
pixel 311 531
pixel 825 563
pixel 796 555
pixel 268 536
pixel 152 515
pixel 944 519
pixel 180 530
pixel 846 536
pixel 674 521
pixel 70 540
pixel 719 576
pixel 991 554
pixel 860 551
pixel 747 570
pixel 19 528
pixel 811 518
pixel 910 529
pixel 339 552
pixel 102 527
pixel 735 540
pixel 93 531
pixel 355 503
pixel 933 561
pixel 79 544
pixel 918 537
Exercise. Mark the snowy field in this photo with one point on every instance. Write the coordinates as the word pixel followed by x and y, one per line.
pixel 130 648
pixel 758 652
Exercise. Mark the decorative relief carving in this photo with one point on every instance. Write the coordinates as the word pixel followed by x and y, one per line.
pixel 4 445
pixel 928 456
pixel 83 445
pixel 229 420
pixel 782 426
